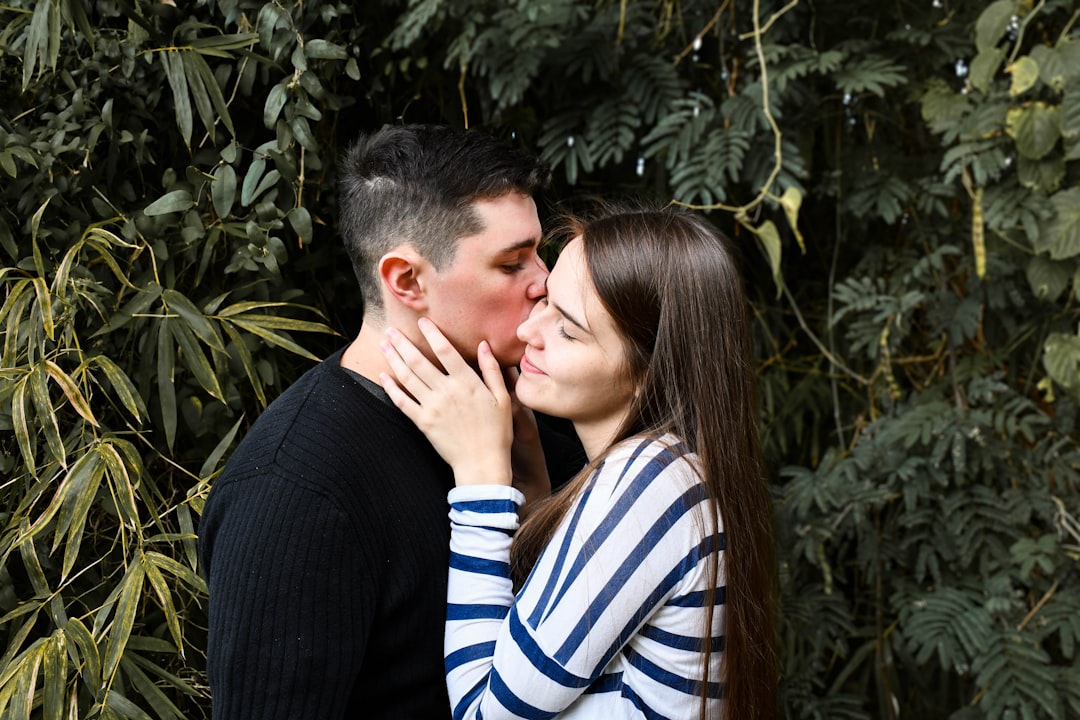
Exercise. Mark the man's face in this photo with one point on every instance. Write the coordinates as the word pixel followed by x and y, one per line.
pixel 493 282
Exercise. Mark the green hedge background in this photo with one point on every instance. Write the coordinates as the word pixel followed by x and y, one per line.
pixel 903 178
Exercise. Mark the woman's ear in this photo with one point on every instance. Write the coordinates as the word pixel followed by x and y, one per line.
pixel 401 272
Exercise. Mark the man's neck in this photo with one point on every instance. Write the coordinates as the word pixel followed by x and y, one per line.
pixel 363 356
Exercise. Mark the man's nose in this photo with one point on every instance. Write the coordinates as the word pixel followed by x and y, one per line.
pixel 538 281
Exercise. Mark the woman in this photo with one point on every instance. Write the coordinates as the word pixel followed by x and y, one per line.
pixel 646 584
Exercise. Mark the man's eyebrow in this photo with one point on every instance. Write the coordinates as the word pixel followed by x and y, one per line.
pixel 522 245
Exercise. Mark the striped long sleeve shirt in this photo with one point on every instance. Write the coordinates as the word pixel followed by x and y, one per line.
pixel 610 621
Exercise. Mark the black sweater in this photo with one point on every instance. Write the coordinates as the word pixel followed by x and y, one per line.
pixel 325 545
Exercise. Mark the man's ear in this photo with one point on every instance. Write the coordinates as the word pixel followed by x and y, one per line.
pixel 401 272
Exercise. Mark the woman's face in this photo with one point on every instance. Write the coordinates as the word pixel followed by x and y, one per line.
pixel 574 364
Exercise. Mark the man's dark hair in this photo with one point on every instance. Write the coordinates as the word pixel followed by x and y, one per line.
pixel 416 184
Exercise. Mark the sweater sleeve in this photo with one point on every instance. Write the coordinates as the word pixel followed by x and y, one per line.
pixel 289 608
pixel 624 548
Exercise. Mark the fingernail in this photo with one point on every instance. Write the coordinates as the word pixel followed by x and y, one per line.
pixel 391 332
pixel 423 322
pixel 384 346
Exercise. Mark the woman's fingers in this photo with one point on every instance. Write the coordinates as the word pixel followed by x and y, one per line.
pixel 492 373
pixel 447 354
pixel 413 370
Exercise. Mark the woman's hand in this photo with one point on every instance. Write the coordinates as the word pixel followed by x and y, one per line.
pixel 467 418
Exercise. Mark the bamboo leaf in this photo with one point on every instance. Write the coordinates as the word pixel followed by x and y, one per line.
pixel 166 362
pixel 46 417
pixel 138 304
pixel 272 337
pixel 179 571
pixel 8 668
pixel 83 652
pixel 237 41
pixel 54 671
pixel 196 320
pixel 277 322
pixel 121 385
pixel 75 495
pixel 117 703
pixel 19 407
pixel 35 227
pixel 210 86
pixel 248 363
pixel 194 360
pixel 71 391
pixel 212 460
pixel 197 88
pixel 174 73
pixel 45 311
pixel 165 601
pixel 121 482
pixel 159 702
pixel 127 605
pixel 37 42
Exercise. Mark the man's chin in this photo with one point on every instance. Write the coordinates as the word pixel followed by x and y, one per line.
pixel 509 357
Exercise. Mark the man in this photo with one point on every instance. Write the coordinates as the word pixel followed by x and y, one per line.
pixel 325 540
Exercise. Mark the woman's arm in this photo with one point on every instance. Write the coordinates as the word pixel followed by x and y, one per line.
pixel 627 546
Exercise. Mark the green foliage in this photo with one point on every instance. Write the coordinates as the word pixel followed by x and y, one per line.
pixel 902 182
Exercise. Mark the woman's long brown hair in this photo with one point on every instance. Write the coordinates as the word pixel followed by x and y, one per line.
pixel 672 287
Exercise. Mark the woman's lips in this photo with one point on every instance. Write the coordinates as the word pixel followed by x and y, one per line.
pixel 528 367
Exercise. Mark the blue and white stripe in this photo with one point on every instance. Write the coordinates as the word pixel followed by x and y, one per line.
pixel 609 622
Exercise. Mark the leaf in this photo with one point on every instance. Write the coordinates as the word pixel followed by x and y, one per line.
pixel 209 85
pixel 1048 278
pixel 20 421
pixel 770 240
pixel 1035 128
pixel 319 49
pixel 992 23
pixel 196 85
pixel 127 606
pixel 223 190
pixel 121 385
pixel 212 460
pixel 72 391
pixel 300 219
pixel 1061 358
pixel 1060 235
pixel 1025 73
pixel 44 303
pixel 271 337
pixel 166 390
pixel 275 100
pixel 195 361
pixel 174 73
pixel 54 672
pixel 46 416
pixel 1070 113
pixel 178 303
pixel 174 201
pixel 1043 176
pixel 984 67
pixel 791 201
